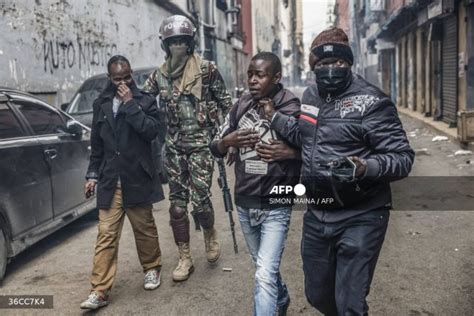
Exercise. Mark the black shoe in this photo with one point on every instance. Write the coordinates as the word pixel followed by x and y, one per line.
pixel 284 308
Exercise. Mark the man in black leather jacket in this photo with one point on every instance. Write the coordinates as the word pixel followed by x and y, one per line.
pixel 345 122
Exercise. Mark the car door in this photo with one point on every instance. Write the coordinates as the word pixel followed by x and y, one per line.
pixel 25 186
pixel 67 155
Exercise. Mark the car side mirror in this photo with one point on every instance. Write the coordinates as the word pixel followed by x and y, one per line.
pixel 74 128
pixel 64 106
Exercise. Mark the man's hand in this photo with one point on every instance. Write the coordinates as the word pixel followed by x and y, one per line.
pixel 124 93
pixel 268 108
pixel 89 188
pixel 276 150
pixel 241 138
pixel 231 155
pixel 361 165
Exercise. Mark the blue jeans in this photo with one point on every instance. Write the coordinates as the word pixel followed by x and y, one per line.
pixel 266 242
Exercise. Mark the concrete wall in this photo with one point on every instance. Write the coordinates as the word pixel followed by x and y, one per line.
pixel 385 70
pixel 230 57
pixel 343 15
pixel 470 59
pixel 286 41
pixel 462 58
pixel 225 63
pixel 221 24
pixel 411 67
pixel 263 15
pixel 427 80
pixel 299 62
pixel 403 75
pixel 398 71
pixel 51 46
pixel 420 71
pixel 393 5
pixel 372 67
pixel 246 12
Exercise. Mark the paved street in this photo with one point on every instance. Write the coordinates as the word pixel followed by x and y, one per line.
pixel 425 268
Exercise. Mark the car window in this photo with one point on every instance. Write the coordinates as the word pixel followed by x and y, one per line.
pixel 43 121
pixel 140 78
pixel 83 100
pixel 9 125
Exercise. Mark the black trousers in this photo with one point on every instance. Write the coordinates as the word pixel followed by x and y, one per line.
pixel 339 261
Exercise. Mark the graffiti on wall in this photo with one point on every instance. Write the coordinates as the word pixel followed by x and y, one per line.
pixel 79 54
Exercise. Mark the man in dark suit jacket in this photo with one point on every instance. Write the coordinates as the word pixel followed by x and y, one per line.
pixel 124 124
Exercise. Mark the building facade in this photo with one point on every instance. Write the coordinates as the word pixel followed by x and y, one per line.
pixel 420 52
pixel 277 26
pixel 220 24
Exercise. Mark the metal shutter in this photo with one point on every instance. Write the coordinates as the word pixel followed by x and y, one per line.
pixel 450 70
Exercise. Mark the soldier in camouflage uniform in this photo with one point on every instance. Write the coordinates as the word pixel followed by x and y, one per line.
pixel 193 91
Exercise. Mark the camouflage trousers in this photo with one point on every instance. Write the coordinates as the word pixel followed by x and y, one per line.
pixel 190 170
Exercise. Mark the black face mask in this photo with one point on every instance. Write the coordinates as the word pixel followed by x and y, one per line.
pixel 332 80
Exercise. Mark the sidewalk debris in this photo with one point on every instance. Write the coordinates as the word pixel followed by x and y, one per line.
pixel 302 309
pixel 227 269
pixel 439 138
pixel 414 133
pixel 463 153
pixel 422 152
pixel 464 165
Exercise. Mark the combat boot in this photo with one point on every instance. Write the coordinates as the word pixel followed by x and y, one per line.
pixel 185 265
pixel 213 249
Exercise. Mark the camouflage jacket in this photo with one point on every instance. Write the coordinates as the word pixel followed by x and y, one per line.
pixel 215 99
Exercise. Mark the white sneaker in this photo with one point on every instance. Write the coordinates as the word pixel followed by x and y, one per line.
pixel 152 279
pixel 94 301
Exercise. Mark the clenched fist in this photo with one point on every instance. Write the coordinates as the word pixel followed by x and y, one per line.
pixel 268 108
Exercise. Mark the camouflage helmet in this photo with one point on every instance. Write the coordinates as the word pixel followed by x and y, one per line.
pixel 176 25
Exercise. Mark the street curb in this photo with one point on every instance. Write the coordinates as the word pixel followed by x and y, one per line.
pixel 437 126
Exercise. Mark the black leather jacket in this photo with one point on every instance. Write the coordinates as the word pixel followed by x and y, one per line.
pixel 362 121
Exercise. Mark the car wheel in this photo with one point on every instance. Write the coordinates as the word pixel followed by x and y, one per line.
pixel 3 254
pixel 163 173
